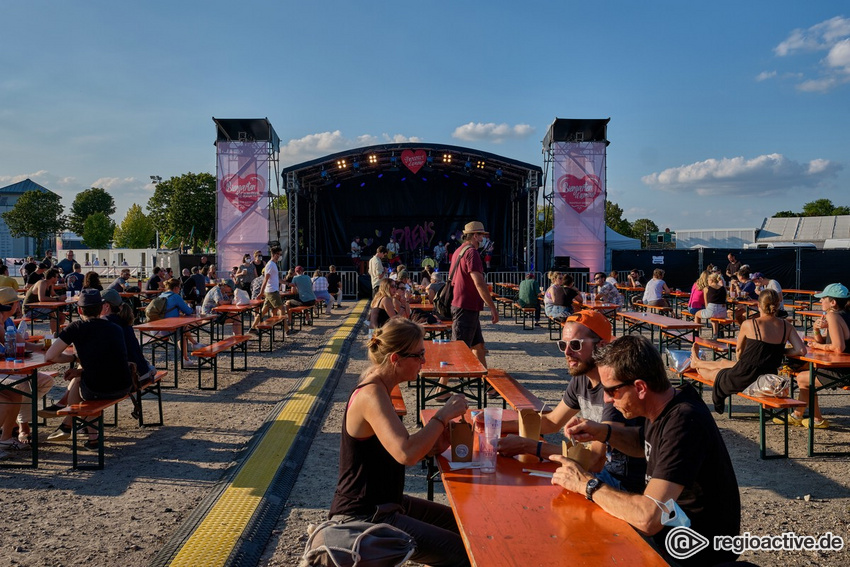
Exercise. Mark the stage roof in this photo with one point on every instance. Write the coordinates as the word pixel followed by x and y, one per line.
pixel 415 159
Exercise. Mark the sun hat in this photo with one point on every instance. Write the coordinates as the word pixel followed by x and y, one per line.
pixel 111 297
pixel 593 320
pixel 8 295
pixel 89 296
pixel 474 227
pixel 834 290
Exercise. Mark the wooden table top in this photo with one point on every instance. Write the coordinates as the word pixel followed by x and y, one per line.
pixel 422 306
pixel 462 361
pixel 238 308
pixel 799 291
pixel 29 363
pixel 513 518
pixel 173 323
pixel 600 305
pixel 50 304
pixel 825 359
pixel 661 321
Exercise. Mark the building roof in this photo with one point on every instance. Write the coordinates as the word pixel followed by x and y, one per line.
pixel 24 186
pixel 804 229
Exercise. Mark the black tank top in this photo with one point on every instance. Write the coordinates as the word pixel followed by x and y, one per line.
pixel 368 474
pixel 716 296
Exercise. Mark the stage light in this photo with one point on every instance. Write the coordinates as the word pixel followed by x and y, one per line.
pixel 425 179
pixel 404 178
pixel 487 183
pixel 447 159
pixel 498 174
pixel 430 159
pixel 341 164
pixel 355 165
pixel 363 184
pixel 467 166
pixel 479 164
pixel 325 174
pixel 373 159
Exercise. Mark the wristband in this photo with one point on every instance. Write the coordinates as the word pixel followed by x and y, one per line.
pixel 539 447
pixel 443 423
pixel 608 436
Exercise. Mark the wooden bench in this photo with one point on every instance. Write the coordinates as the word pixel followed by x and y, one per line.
pixel 504 304
pixel 443 329
pixel 90 414
pixel 724 324
pixel 653 308
pixel 555 329
pixel 719 350
pixel 268 327
pixel 526 313
pixel 304 315
pixel 769 408
pixel 511 391
pixel 398 402
pixel 208 357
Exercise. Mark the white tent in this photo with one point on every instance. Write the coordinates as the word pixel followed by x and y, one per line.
pixel 613 241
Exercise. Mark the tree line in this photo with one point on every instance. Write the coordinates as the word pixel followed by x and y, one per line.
pixel 182 209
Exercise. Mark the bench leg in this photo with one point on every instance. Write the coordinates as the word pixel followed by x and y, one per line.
pixel 211 362
pixel 80 423
pixel 152 390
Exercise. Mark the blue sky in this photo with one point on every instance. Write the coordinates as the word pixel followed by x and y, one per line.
pixel 721 114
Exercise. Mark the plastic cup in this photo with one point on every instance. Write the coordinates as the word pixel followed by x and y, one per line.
pixel 490 440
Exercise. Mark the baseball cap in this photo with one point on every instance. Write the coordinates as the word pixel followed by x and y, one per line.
pixel 89 296
pixel 593 320
pixel 834 290
pixel 228 282
pixel 111 297
pixel 756 276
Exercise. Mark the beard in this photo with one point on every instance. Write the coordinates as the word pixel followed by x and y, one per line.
pixel 579 368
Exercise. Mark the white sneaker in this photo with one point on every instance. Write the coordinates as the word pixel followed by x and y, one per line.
pixel 191 363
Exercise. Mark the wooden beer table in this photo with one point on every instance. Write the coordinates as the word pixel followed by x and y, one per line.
pixel 511 518
pixel 670 330
pixel 167 334
pixel 234 313
pixel 821 360
pixel 23 372
pixel 607 309
pixel 462 364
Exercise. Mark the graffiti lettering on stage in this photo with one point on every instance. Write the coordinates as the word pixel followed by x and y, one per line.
pixel 411 238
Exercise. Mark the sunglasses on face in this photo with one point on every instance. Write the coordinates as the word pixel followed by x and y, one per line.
pixel 574 345
pixel 613 389
pixel 420 355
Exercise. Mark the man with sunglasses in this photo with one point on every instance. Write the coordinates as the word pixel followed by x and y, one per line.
pixel 688 469
pixel 584 333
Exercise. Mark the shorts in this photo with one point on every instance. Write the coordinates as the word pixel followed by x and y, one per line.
pixel 90 395
pixel 715 310
pixel 559 312
pixel 466 326
pixel 39 312
pixel 299 303
pixel 272 300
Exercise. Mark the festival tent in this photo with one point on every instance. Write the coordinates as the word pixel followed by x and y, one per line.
pixel 613 241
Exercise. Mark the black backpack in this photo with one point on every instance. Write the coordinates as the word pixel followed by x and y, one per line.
pixel 444 297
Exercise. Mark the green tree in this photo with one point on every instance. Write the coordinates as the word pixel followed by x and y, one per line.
pixel 641 229
pixel 785 215
pixel 822 208
pixel 614 219
pixel 279 202
pixel 544 220
pixel 183 208
pixel 36 215
pixel 90 201
pixel 135 231
pixel 98 230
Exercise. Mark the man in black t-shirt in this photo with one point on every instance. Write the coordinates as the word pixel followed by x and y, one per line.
pixel 37 275
pixel 155 282
pixel 99 346
pixel 687 464
pixel 584 333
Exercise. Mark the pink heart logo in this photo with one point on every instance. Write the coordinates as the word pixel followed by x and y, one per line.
pixel 579 192
pixel 243 192
pixel 413 160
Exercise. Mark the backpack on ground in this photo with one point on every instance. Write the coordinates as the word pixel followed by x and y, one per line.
pixel 356 544
pixel 156 308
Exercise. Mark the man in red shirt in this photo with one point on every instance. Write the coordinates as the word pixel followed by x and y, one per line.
pixel 470 291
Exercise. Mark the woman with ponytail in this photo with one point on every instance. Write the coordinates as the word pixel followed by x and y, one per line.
pixel 375 448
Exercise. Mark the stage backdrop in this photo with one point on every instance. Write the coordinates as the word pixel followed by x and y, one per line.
pixel 242 203
pixel 579 195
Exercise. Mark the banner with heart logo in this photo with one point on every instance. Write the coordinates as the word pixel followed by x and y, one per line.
pixel 414 159
pixel 579 174
pixel 242 201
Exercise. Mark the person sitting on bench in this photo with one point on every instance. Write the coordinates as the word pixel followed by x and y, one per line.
pixel 99 345
pixel 761 346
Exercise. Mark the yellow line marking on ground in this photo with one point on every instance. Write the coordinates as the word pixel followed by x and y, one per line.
pixel 216 536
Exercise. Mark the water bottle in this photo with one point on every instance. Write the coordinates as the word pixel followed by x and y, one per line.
pixel 11 339
pixel 22 329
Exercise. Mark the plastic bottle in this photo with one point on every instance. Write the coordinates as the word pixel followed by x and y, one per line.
pixel 11 339
pixel 22 329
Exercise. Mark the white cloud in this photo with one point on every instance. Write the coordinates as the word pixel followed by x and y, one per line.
pixel 765 75
pixel 491 132
pixel 316 145
pixel 832 36
pixel 763 175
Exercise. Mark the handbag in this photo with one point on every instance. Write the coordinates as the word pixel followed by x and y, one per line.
pixel 444 297
pixel 356 544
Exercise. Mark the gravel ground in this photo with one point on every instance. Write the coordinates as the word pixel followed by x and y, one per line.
pixel 155 477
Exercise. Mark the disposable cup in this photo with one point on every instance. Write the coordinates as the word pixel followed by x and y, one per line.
pixel 489 441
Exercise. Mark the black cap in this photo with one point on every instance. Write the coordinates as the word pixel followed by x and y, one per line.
pixel 89 296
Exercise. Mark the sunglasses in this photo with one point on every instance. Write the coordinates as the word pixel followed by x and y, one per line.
pixel 420 355
pixel 575 345
pixel 613 389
